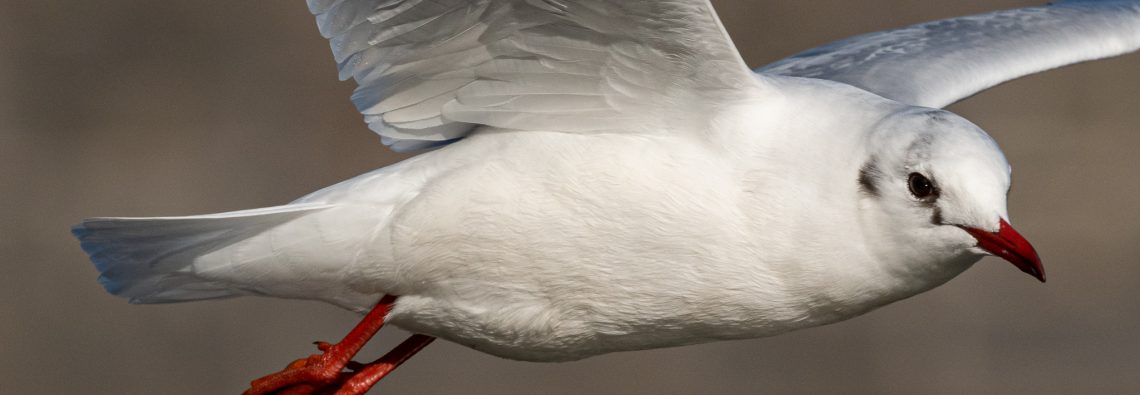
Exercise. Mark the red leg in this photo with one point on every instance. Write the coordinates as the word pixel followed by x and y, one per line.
pixel 363 380
pixel 321 370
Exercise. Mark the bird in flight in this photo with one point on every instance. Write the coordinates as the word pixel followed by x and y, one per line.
pixel 601 176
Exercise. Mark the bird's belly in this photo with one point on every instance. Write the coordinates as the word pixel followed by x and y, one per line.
pixel 527 331
pixel 561 254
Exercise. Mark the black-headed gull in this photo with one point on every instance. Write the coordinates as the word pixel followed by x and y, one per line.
pixel 610 176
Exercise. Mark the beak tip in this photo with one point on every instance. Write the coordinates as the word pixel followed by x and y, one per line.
pixel 1011 246
pixel 1031 266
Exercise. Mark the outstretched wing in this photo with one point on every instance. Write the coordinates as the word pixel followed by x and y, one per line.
pixel 937 63
pixel 429 71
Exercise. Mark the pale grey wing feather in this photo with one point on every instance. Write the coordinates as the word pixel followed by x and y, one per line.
pixel 937 63
pixel 429 71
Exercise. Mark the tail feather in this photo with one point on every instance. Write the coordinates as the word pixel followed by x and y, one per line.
pixel 150 260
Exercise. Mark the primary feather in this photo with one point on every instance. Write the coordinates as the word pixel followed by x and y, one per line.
pixel 936 63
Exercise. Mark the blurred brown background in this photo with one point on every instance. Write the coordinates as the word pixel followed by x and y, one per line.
pixel 140 108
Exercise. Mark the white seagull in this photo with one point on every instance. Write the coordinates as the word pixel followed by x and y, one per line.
pixel 606 176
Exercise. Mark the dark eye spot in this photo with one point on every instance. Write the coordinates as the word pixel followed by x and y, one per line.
pixel 867 175
pixel 921 187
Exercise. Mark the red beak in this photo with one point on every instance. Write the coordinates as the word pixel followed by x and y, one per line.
pixel 1009 245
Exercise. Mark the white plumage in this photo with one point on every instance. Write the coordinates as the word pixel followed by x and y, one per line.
pixel 433 70
pixel 937 63
pixel 612 177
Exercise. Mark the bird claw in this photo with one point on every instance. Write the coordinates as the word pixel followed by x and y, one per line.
pixel 317 387
pixel 319 375
pixel 313 375
pixel 324 372
pixel 323 346
pixel 303 376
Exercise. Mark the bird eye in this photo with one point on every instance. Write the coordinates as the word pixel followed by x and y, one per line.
pixel 920 186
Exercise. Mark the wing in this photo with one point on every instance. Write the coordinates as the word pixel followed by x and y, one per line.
pixel 429 71
pixel 937 63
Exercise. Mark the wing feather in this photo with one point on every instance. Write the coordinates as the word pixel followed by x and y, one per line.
pixel 430 71
pixel 936 63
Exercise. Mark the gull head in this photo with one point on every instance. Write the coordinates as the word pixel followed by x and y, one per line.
pixel 933 190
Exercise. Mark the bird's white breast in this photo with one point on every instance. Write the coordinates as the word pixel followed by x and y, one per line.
pixel 559 243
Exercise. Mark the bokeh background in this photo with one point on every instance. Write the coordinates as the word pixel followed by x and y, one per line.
pixel 138 108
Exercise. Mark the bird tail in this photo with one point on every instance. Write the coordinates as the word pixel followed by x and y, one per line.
pixel 151 260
